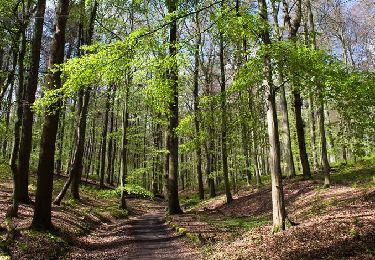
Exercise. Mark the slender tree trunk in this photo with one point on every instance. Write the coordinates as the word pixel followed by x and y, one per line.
pixel 312 132
pixel 278 205
pixel 197 110
pixel 29 94
pixel 323 141
pixel 173 201
pixel 301 135
pixel 60 144
pixel 17 193
pixel 288 143
pixel 322 130
pixel 110 142
pixel 224 152
pixel 255 159
pixel 104 140
pixel 10 82
pixel 75 172
pixel 43 198
pixel 124 151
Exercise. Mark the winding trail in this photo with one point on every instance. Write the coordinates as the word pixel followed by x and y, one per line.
pixel 143 237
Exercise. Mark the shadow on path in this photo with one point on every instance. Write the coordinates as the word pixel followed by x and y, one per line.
pixel 143 237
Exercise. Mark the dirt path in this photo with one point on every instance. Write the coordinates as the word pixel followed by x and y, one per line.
pixel 142 237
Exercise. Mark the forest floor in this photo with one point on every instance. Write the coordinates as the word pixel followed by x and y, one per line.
pixel 334 223
pixel 93 228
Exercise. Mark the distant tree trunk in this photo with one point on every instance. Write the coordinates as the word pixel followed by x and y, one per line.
pixel 323 141
pixel 255 159
pixel 110 152
pixel 288 143
pixel 197 110
pixel 322 130
pixel 293 27
pixel 124 150
pixel 173 201
pixel 75 172
pixel 301 135
pixel 43 198
pixel 60 143
pixel 224 152
pixel 104 139
pixel 245 149
pixel 29 95
pixel 290 168
pixel 312 132
pixel 278 205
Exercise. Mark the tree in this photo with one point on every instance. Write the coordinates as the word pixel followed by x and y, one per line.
pixel 75 172
pixel 172 76
pixel 29 98
pixel 43 198
pixel 224 152
pixel 196 106
pixel 293 26
pixel 278 204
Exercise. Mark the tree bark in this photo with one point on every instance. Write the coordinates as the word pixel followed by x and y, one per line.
pixel 29 98
pixel 301 135
pixel 17 192
pixel 75 171
pixel 278 205
pixel 293 27
pixel 224 152
pixel 43 198
pixel 104 139
pixel 173 201
pixel 291 172
pixel 124 151
pixel 197 110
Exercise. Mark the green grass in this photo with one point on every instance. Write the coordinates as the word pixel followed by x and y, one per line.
pixel 243 223
pixel 190 201
pixel 361 174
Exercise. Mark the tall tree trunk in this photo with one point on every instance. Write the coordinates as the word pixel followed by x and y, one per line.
pixel 293 27
pixel 29 94
pixel 278 205
pixel 291 172
pixel 10 82
pixel 104 139
pixel 312 132
pixel 110 141
pixel 173 201
pixel 17 193
pixel 224 152
pixel 323 141
pixel 197 109
pixel 124 150
pixel 43 198
pixel 322 130
pixel 290 168
pixel 75 171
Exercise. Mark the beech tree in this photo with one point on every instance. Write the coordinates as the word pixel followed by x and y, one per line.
pixel 43 198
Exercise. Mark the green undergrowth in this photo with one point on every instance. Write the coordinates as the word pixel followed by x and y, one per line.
pixel 5 172
pixel 358 175
pixel 238 223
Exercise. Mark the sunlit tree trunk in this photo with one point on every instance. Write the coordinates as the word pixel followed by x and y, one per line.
pixel 278 205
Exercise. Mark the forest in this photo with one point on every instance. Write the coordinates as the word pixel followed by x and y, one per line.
pixel 186 129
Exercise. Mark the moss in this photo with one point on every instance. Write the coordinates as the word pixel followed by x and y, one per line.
pixel 276 229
